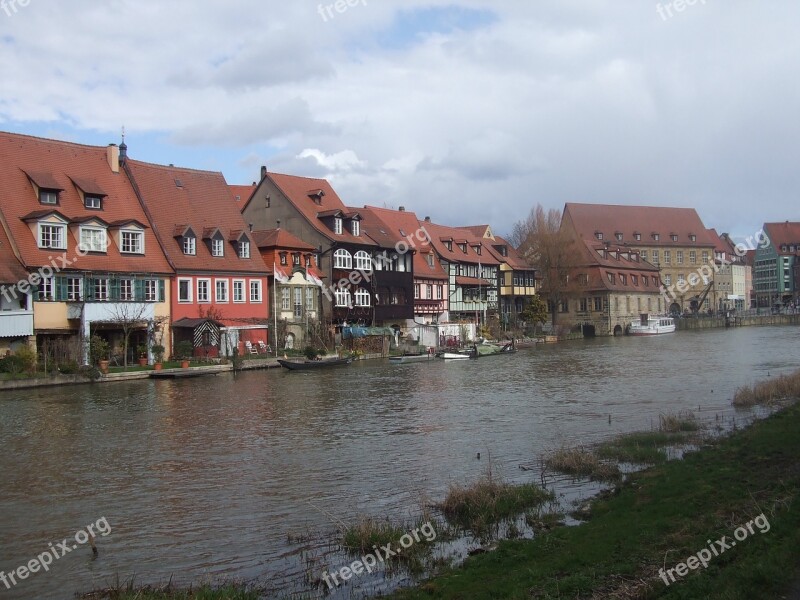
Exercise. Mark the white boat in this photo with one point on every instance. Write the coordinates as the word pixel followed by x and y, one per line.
pixel 408 358
pixel 454 356
pixel 652 325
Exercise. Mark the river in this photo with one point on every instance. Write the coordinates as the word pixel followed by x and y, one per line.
pixel 207 479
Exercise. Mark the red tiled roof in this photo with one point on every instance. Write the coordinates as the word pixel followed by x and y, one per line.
pixel 403 225
pixel 461 280
pixel 241 193
pixel 513 258
pixel 203 202
pixel 280 238
pixel 783 234
pixel 11 270
pixel 436 233
pixel 610 219
pixel 298 191
pixel 478 231
pixel 597 261
pixel 57 163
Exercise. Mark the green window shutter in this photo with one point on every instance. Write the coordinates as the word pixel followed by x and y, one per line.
pixel 60 290
pixel 161 291
pixel 88 289
pixel 138 290
pixel 114 289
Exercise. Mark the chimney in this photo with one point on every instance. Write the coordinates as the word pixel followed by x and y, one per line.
pixel 427 219
pixel 402 209
pixel 263 172
pixel 112 154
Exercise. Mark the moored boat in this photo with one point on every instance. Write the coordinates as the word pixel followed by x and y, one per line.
pixel 408 358
pixel 455 355
pixel 652 325
pixel 307 365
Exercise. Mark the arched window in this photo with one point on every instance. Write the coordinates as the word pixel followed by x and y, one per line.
pixel 362 297
pixel 363 261
pixel 342 259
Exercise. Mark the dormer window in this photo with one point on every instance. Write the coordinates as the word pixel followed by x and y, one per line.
pixel 477 250
pixel 598 235
pixel 337 225
pixel 296 259
pixel 637 236
pixel 132 242
pixel 692 237
pixel 284 259
pixel 618 235
pixel 674 237
pixel 656 237
pixel 217 248
pixel 52 235
pixel 463 248
pixel 308 261
pixel 48 196
pixel 355 227
pixel 430 260
pixel 244 249
pixel 190 245
pixel 93 202
pixel 449 246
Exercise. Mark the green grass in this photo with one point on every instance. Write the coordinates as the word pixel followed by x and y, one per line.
pixel 657 519
pixel 489 501
pixel 646 448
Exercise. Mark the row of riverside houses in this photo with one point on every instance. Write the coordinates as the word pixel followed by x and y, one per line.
pixel 95 243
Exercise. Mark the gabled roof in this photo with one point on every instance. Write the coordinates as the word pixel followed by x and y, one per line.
pixel 611 219
pixel 437 233
pixel 201 202
pixel 513 257
pixel 280 239
pixel 388 227
pixel 783 234
pixel 241 193
pixel 480 231
pixel 299 192
pixel 598 261
pixel 54 164
pixel 88 186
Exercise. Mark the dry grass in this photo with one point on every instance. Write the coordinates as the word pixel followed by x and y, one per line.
pixel 771 392
pixel 581 462
pixel 676 423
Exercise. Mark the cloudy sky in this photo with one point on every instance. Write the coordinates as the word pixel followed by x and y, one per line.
pixel 470 111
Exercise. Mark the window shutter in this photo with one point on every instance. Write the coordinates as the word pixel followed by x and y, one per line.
pixel 161 292
pixel 114 289
pixel 138 290
pixel 60 291
pixel 88 292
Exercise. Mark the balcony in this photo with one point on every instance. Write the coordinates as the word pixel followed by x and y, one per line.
pixel 16 323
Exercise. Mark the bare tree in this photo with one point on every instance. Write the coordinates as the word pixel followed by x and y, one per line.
pixel 549 248
pixel 128 316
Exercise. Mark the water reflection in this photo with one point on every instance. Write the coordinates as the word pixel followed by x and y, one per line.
pixel 207 478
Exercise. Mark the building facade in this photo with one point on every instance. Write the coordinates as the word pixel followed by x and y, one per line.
pixel 773 269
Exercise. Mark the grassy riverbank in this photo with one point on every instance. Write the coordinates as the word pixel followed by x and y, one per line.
pixel 658 519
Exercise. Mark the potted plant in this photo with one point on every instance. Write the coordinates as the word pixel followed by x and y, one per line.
pixel 98 352
pixel 142 350
pixel 158 356
pixel 184 351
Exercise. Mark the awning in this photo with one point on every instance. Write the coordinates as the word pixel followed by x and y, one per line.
pixel 187 323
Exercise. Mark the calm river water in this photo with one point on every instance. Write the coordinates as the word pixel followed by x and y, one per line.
pixel 206 479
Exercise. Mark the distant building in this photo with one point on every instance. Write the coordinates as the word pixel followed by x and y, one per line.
pixel 773 273
pixel 731 279
pixel 673 239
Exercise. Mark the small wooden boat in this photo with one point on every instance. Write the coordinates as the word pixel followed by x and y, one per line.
pixel 455 355
pixel 492 350
pixel 307 365
pixel 409 358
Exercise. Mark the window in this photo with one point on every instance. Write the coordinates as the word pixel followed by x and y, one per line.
pixel 190 245
pixel 100 289
pixel 623 279
pixel 74 289
pixel 429 292
pixel 308 261
pixel 298 302
pixel 637 237
pixel 342 259
pixel 643 254
pixel 645 281
pixel 705 256
pixel 692 257
pixel 618 235
pixel 598 304
pixel 679 257
pixel 286 299
pixel 221 290
pixel 655 257
pixel 656 236
pixel 598 235
pixel 310 305
pixel 217 248
pixel 449 246
pixel 52 236
pixel 151 290
pixel 284 259
pixel 337 225
pixel 363 261
pixel 355 227
pixel 667 257
pixel 93 239
pixel 46 288
pixel 238 291
pixel 439 292
pixel 184 290
pixel 693 238
pixel 132 242
pixel 583 305
pixel 296 259
pixel 681 279
pixel 342 297
pixel 463 248
pixel 416 291
pixel 126 293
pixel 430 260
pixel 244 249
pixel 255 292
pixel 667 279
pixel 673 237
pixel 611 278
pixel 362 297
pixel 48 196
pixel 93 202
pixel 635 279
pixel 204 290
pixel 655 281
